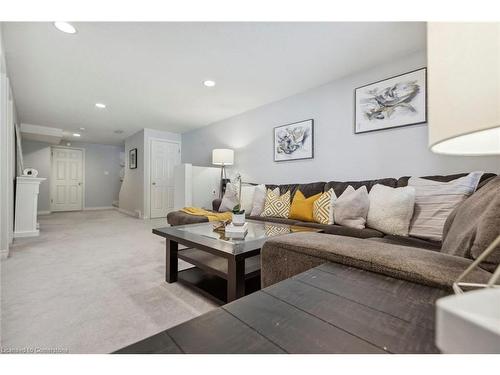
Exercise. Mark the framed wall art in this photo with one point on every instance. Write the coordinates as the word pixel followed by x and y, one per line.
pixel 391 103
pixel 132 158
pixel 294 141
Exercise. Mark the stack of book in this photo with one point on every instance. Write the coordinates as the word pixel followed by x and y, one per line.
pixel 236 231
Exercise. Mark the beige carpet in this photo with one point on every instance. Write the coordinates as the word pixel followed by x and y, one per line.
pixel 93 282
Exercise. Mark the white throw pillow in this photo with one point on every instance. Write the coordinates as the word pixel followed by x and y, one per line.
pixel 230 198
pixel 259 199
pixel 246 199
pixel 434 201
pixel 351 208
pixel 391 209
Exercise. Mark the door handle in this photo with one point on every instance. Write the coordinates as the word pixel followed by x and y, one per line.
pixel 154 183
pixel 79 184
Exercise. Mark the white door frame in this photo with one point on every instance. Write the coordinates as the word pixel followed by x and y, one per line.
pixel 51 179
pixel 147 170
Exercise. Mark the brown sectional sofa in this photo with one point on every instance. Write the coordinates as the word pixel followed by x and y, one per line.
pixel 411 258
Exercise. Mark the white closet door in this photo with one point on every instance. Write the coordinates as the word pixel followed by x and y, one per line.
pixel 164 157
pixel 67 179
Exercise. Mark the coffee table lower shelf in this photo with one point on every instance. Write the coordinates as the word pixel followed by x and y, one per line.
pixel 211 286
pixel 209 274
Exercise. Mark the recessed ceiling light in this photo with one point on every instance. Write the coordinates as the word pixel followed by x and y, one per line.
pixel 100 105
pixel 82 128
pixel 65 27
pixel 209 83
pixel 76 135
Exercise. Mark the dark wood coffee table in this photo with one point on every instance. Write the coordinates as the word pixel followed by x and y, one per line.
pixel 329 309
pixel 225 269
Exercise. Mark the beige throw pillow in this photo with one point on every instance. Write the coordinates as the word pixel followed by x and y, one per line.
pixel 434 201
pixel 246 199
pixel 259 199
pixel 351 208
pixel 323 208
pixel 277 205
pixel 391 209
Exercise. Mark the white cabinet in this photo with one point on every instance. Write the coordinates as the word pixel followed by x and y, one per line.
pixel 195 186
pixel 27 189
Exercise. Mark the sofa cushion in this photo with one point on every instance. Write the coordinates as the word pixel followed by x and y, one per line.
pixel 292 188
pixel 270 219
pixel 407 263
pixel 339 186
pixel 181 218
pixel 473 225
pixel 403 181
pixel 410 241
pixel 308 190
pixel 343 231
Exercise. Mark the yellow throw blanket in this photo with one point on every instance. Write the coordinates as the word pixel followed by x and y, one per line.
pixel 212 216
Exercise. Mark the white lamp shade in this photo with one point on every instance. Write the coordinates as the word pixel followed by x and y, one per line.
pixel 222 156
pixel 464 88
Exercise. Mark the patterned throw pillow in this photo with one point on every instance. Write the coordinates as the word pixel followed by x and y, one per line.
pixel 323 208
pixel 302 207
pixel 230 198
pixel 277 205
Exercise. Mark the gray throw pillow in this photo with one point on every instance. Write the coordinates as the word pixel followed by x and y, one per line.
pixel 230 198
pixel 351 208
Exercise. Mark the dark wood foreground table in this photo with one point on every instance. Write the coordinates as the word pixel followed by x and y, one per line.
pixel 329 309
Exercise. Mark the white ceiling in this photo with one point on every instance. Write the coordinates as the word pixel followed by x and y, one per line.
pixel 150 74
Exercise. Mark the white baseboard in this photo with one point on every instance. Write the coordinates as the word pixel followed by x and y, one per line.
pixel 127 212
pixel 39 213
pixel 31 233
pixel 99 208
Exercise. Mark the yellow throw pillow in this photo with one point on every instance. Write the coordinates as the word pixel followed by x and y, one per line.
pixel 276 205
pixel 302 207
pixel 323 208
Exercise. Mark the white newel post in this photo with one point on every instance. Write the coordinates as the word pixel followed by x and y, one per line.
pixel 27 189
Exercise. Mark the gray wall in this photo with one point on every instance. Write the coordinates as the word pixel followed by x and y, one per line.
pixel 100 189
pixel 132 190
pixel 338 152
pixel 134 193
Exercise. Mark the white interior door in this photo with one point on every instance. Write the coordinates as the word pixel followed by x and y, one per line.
pixel 164 157
pixel 67 179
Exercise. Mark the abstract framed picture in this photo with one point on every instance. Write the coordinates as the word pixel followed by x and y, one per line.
pixel 294 141
pixel 391 103
pixel 132 159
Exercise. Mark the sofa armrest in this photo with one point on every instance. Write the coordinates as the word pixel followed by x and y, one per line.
pixel 285 256
pixel 216 204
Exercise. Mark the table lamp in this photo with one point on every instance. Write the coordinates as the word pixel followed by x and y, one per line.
pixel 222 157
pixel 464 119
